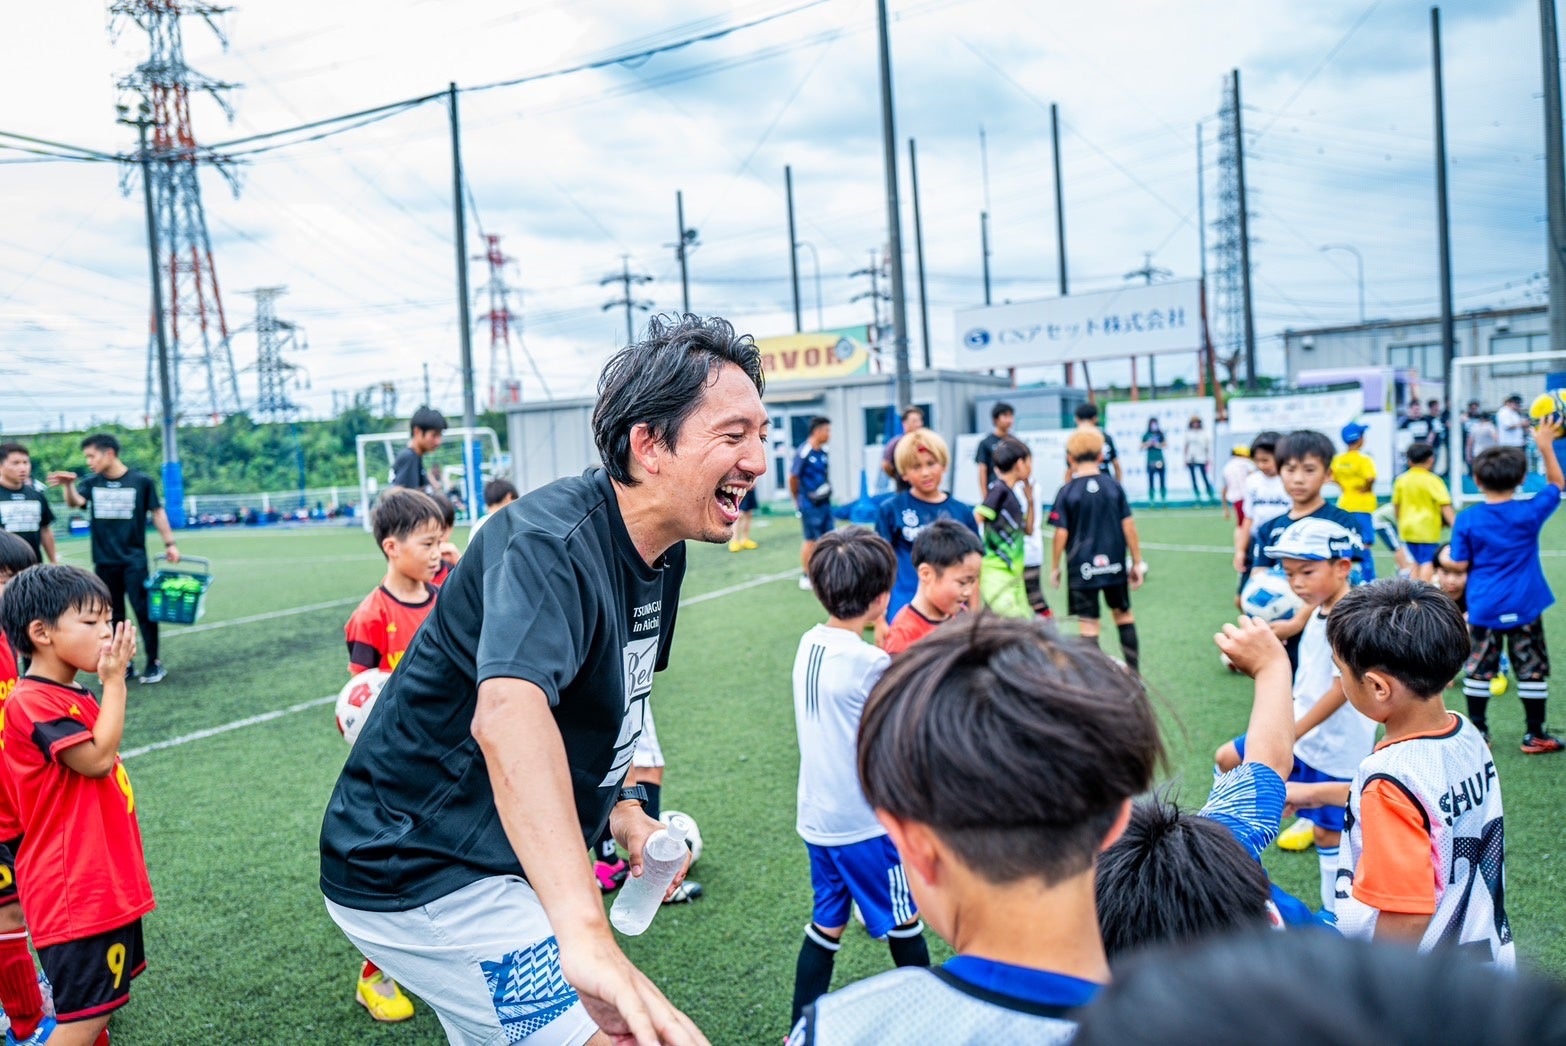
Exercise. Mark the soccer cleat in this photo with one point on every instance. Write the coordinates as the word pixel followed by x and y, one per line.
pixel 1539 744
pixel 39 1036
pixel 684 893
pixel 749 545
pixel 804 584
pixel 380 995
pixel 1498 686
pixel 156 673
pixel 610 876
pixel 735 545
pixel 1298 836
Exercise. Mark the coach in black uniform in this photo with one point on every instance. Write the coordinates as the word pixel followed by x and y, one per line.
pixel 454 848
pixel 120 501
pixel 24 511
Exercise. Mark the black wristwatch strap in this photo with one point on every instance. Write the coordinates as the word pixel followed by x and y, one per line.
pixel 632 793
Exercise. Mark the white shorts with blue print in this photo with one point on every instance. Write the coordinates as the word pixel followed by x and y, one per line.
pixel 483 958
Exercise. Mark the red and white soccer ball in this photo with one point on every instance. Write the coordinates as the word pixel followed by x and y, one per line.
pixel 356 699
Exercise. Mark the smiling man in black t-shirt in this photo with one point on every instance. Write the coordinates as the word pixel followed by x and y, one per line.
pixel 120 501
pixel 454 848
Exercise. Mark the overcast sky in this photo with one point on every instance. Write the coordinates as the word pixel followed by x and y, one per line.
pixel 574 172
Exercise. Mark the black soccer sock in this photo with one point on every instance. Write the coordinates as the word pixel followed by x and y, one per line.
pixel 654 805
pixel 1130 649
pixel 1534 697
pixel 1090 638
pixel 813 971
pixel 1477 693
pixel 908 945
pixel 604 849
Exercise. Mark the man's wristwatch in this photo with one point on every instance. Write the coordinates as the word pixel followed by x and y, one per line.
pixel 632 794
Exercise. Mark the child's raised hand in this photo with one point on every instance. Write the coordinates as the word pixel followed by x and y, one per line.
pixel 1548 429
pixel 1251 645
pixel 116 654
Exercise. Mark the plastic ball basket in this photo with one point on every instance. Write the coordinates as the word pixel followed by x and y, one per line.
pixel 176 592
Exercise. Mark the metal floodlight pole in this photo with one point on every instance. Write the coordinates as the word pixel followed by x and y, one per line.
pixel 893 216
pixel 470 466
pixel 793 247
pixel 1554 173
pixel 1443 226
pixel 680 242
pixel 1245 239
pixel 171 464
pixel 924 303
pixel 1060 225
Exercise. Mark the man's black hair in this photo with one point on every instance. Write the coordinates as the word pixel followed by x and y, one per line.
pixel 1410 630
pixel 1499 469
pixel 849 569
pixel 1002 408
pixel 818 421
pixel 944 544
pixel 16 555
pixel 1420 452
pixel 1086 412
pixel 497 490
pixel 1175 876
pixel 660 380
pixel 911 409
pixel 1017 746
pixel 1239 989
pixel 1266 443
pixel 427 418
pixel 401 511
pixel 7 449
pixel 1302 444
pixel 1007 453
pixel 46 593
pixel 102 441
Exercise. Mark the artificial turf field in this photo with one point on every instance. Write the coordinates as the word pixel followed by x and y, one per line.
pixel 241 950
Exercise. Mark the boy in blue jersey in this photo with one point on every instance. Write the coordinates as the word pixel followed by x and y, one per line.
pixel 810 484
pixel 1497 542
pixel 1174 877
pixel 851 858
pixel 1002 759
pixel 921 458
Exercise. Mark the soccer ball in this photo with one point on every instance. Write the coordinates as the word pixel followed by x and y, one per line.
pixel 1547 405
pixel 1269 597
pixel 356 699
pixel 692 833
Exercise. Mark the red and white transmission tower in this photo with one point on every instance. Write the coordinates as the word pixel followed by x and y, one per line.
pixel 201 364
pixel 504 388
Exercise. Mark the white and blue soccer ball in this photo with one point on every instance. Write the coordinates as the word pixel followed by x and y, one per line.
pixel 356 699
pixel 1269 597
pixel 692 833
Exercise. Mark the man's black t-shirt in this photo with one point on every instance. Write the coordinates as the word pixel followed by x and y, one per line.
pixel 118 509
pixel 552 591
pixel 408 470
pixel 1091 509
pixel 985 455
pixel 26 513
pixel 1107 462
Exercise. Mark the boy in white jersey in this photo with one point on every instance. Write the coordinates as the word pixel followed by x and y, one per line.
pixel 1331 737
pixel 1264 500
pixel 851 858
pixel 1002 758
pixel 1426 853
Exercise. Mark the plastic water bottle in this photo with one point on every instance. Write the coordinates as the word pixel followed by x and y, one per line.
pixel 639 899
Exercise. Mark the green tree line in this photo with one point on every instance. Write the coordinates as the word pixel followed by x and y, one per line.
pixel 238 456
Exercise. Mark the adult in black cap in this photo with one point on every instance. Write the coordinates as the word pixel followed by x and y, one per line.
pixel 425 431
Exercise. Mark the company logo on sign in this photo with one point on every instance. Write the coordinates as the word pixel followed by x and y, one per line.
pixel 826 354
pixel 978 338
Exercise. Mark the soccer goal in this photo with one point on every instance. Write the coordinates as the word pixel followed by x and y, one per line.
pixel 1490 379
pixel 377 450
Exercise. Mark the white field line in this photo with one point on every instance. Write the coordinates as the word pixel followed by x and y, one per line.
pixel 1227 550
pixel 270 615
pixel 304 706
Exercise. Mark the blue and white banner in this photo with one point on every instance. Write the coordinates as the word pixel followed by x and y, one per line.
pixel 1135 320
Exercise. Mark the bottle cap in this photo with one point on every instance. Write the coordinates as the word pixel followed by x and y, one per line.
pixel 678 827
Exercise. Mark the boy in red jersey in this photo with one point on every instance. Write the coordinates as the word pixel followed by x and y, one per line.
pixel 19 994
pixel 409 526
pixel 85 898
